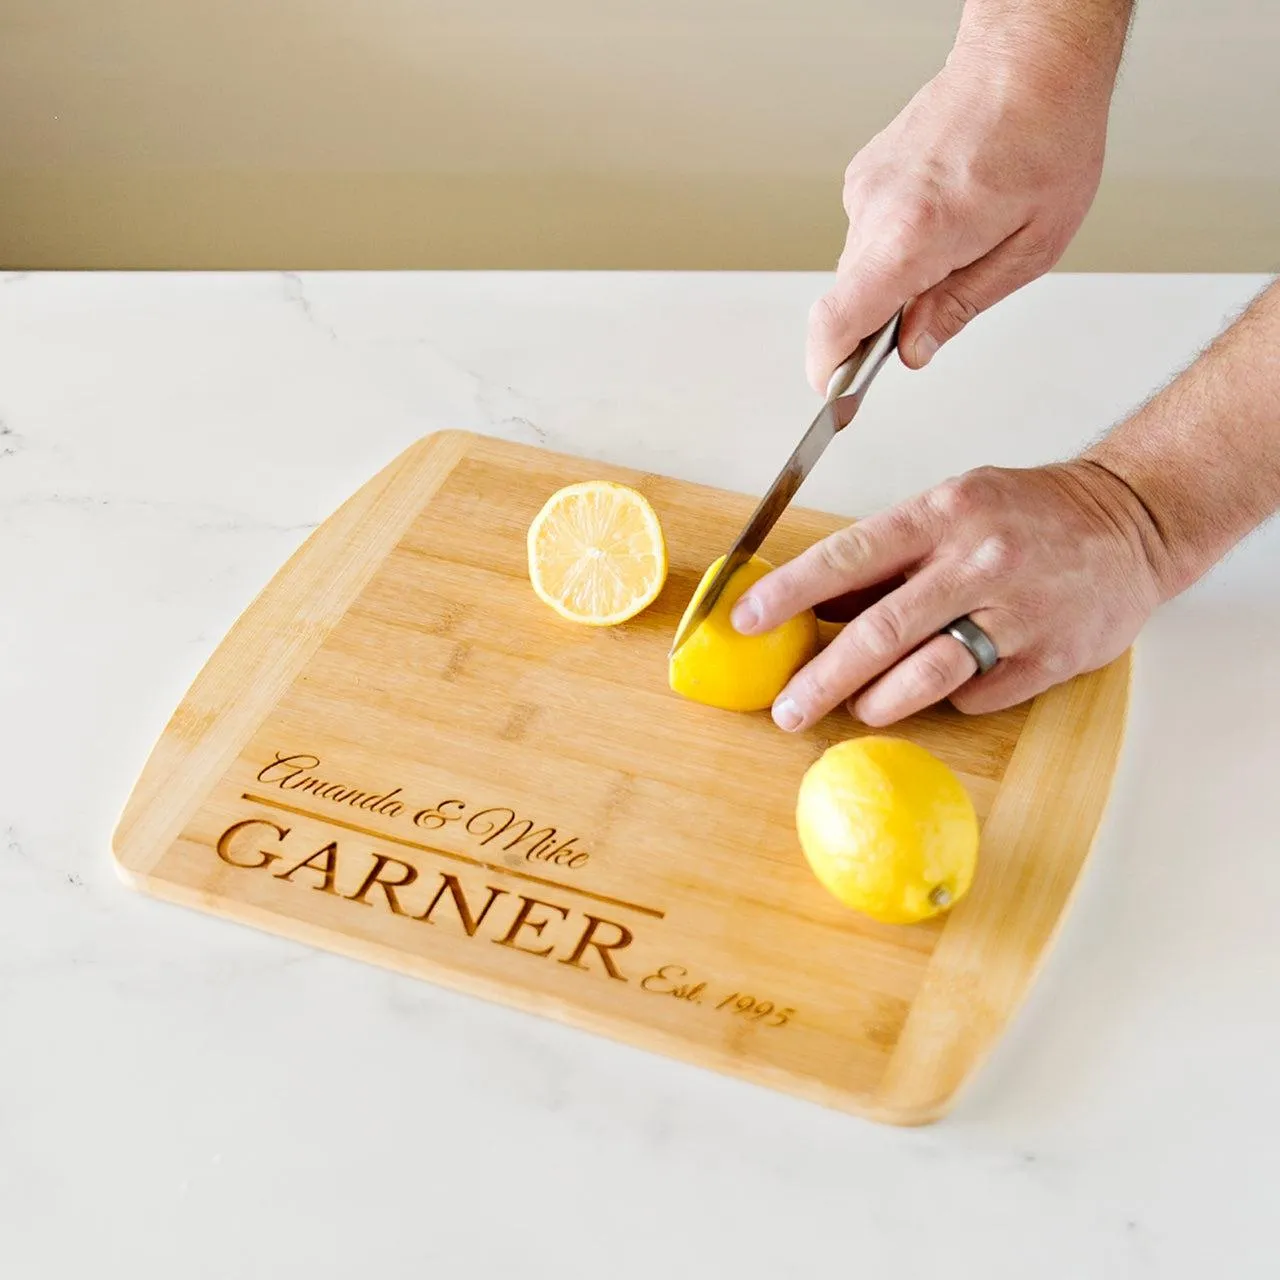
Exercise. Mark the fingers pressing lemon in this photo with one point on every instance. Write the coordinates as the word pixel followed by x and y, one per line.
pixel 888 829
pixel 718 666
pixel 596 553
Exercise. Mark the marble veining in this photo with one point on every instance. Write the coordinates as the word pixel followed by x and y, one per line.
pixel 10 441
pixel 295 294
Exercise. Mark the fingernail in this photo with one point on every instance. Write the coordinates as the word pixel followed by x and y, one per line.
pixel 787 714
pixel 926 348
pixel 746 615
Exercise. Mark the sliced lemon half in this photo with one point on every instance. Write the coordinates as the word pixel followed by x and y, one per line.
pixel 596 553
pixel 718 666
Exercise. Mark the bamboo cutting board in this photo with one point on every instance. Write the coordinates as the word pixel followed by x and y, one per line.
pixel 399 753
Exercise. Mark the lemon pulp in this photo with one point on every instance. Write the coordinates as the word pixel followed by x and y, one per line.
pixel 596 553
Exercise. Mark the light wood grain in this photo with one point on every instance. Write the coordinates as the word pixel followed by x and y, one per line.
pixel 403 652
pixel 269 645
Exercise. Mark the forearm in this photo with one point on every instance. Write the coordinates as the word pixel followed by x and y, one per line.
pixel 1203 456
pixel 1057 42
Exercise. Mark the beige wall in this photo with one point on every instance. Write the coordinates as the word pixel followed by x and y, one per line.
pixel 627 133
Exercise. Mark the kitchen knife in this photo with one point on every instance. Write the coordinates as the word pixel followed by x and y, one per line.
pixel 845 390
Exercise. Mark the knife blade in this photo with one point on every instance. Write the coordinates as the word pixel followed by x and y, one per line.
pixel 845 391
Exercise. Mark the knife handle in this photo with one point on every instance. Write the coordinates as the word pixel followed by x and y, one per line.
pixel 853 377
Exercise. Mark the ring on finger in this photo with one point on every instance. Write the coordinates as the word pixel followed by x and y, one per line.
pixel 980 645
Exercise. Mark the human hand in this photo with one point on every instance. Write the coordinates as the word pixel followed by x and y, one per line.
pixel 975 189
pixel 1059 565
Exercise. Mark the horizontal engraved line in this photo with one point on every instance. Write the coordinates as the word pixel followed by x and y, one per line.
pixel 457 857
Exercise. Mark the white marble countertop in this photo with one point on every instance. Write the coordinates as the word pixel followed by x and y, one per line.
pixel 182 1097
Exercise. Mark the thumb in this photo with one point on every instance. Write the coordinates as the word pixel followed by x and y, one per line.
pixel 939 313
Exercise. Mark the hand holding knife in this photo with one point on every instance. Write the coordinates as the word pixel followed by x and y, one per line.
pixel 845 390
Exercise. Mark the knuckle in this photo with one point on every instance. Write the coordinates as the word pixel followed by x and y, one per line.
pixel 1041 248
pixel 908 225
pixel 855 183
pixel 929 675
pixel 864 180
pixel 1054 664
pixel 997 556
pixel 952 500
pixel 964 496
pixel 920 213
pixel 898 249
pixel 987 483
pixel 880 631
pixel 904 523
pixel 842 552
pixel 828 315
pixel 947 499
pixel 955 307
pixel 1066 660
pixel 856 168
pixel 1048 666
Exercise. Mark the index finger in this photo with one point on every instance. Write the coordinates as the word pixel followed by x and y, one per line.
pixel 862 555
pixel 880 270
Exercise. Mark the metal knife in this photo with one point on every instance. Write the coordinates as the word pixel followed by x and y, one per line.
pixel 845 390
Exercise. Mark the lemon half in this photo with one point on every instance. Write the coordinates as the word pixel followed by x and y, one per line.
pixel 596 553
pixel 718 666
pixel 888 828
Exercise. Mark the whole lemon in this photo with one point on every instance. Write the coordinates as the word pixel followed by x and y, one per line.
pixel 718 666
pixel 888 829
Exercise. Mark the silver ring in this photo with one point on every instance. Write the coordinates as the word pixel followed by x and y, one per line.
pixel 979 644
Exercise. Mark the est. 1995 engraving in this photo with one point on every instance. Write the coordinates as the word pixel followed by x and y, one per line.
pixel 673 980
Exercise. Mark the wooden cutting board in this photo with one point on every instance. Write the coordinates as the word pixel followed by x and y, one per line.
pixel 399 753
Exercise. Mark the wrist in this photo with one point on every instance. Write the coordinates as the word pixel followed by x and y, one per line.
pixel 1202 456
pixel 1158 509
pixel 1057 49
pixel 1126 512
